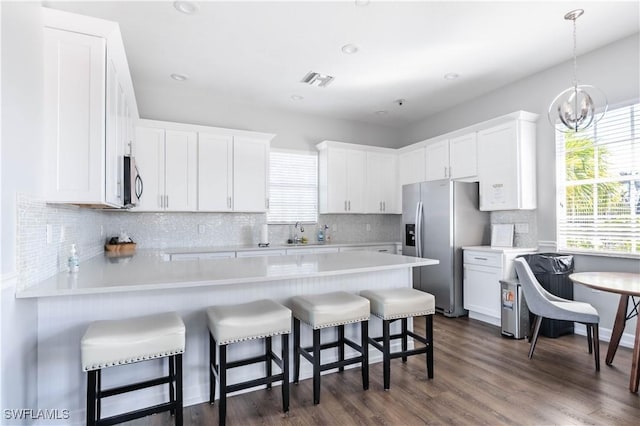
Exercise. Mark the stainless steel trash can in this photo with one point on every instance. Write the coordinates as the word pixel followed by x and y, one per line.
pixel 514 310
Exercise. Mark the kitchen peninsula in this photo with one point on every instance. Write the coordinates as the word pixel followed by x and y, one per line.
pixel 145 283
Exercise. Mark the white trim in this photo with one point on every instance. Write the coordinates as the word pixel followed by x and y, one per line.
pixel 294 151
pixel 9 280
pixel 605 335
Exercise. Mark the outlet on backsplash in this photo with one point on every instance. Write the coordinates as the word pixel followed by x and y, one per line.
pixel 522 228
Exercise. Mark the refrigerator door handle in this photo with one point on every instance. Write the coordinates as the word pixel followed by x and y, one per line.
pixel 418 229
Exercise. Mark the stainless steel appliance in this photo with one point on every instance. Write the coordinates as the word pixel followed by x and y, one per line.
pixel 438 218
pixel 132 182
pixel 515 313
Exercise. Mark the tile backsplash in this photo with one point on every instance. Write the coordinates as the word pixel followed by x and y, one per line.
pixel 522 219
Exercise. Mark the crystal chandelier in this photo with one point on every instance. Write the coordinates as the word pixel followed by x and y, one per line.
pixel 579 106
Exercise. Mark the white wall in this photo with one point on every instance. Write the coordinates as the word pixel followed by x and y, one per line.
pixel 22 147
pixel 615 69
pixel 294 131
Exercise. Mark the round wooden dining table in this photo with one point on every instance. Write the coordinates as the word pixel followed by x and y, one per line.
pixel 626 284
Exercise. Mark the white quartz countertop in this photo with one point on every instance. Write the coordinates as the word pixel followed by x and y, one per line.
pixel 254 247
pixel 147 270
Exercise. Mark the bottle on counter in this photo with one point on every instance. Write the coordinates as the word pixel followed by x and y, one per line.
pixel 320 235
pixel 73 261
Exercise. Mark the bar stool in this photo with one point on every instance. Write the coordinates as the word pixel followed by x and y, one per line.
pixel 117 342
pixel 229 324
pixel 401 303
pixel 330 310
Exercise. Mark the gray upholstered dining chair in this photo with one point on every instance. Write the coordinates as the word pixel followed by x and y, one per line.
pixel 543 304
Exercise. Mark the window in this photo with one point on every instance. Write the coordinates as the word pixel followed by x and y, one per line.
pixel 293 187
pixel 598 179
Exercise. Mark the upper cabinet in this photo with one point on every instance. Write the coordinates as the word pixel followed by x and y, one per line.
pixel 89 109
pixel 197 168
pixel 411 165
pixel 381 182
pixel 507 165
pixel 454 158
pixel 167 164
pixel 341 174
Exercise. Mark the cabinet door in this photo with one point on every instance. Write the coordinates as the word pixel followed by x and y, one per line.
pixel 215 161
pixel 497 163
pixel 250 174
pixel 411 167
pixel 381 186
pixel 74 112
pixel 149 153
pixel 437 160
pixel 356 171
pixel 333 165
pixel 481 290
pixel 463 156
pixel 180 171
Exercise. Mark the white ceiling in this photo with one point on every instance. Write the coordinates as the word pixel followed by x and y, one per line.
pixel 257 52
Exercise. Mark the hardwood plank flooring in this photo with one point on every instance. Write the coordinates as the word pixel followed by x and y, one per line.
pixel 480 378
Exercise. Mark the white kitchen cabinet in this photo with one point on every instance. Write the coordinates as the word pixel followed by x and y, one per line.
pixel 411 165
pixel 381 182
pixel 312 250
pixel 250 174
pixel 507 166
pixel 167 162
pixel 377 248
pixel 74 102
pixel 453 158
pixel 483 268
pixel 89 105
pixel 341 179
pixel 215 172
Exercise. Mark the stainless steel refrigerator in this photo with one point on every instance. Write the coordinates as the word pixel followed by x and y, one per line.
pixel 438 219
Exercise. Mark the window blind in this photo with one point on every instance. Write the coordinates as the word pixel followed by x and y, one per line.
pixel 293 187
pixel 598 185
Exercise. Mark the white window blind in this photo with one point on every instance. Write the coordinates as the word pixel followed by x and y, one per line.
pixel 598 179
pixel 293 187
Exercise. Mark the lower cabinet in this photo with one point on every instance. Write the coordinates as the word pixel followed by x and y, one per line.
pixel 484 267
pixel 260 253
pixel 204 255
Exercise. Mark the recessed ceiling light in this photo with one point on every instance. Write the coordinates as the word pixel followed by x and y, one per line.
pixel 382 112
pixel 297 97
pixel 451 76
pixel 185 7
pixel 179 77
pixel 349 49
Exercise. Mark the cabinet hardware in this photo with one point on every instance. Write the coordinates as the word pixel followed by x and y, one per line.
pixel 166 203
pixel 480 258
pixel 349 205
pixel 384 206
pixel 380 205
pixel 345 205
pixel 161 201
pixel 266 203
pixel 445 171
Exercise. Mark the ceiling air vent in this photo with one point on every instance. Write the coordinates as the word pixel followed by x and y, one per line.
pixel 317 79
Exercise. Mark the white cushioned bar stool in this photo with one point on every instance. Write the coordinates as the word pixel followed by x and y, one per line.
pixel 399 304
pixel 229 324
pixel 116 342
pixel 330 310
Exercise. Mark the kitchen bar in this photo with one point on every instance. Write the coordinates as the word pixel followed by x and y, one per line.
pixel 115 288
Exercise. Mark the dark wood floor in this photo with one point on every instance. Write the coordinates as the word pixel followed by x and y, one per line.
pixel 480 378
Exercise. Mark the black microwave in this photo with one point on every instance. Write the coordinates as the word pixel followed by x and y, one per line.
pixel 133 186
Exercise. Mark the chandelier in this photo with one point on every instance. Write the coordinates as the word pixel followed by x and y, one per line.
pixel 579 106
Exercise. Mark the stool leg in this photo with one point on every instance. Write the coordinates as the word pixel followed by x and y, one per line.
pixel 341 346
pixel 212 366
pixel 404 339
pixel 171 362
pixel 91 397
pixel 386 353
pixel 296 351
pixel 178 364
pixel 429 337
pixel 316 366
pixel 285 373
pixel 267 353
pixel 364 345
pixel 222 373
pixel 98 394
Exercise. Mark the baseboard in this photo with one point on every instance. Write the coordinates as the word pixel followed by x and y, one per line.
pixel 626 340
